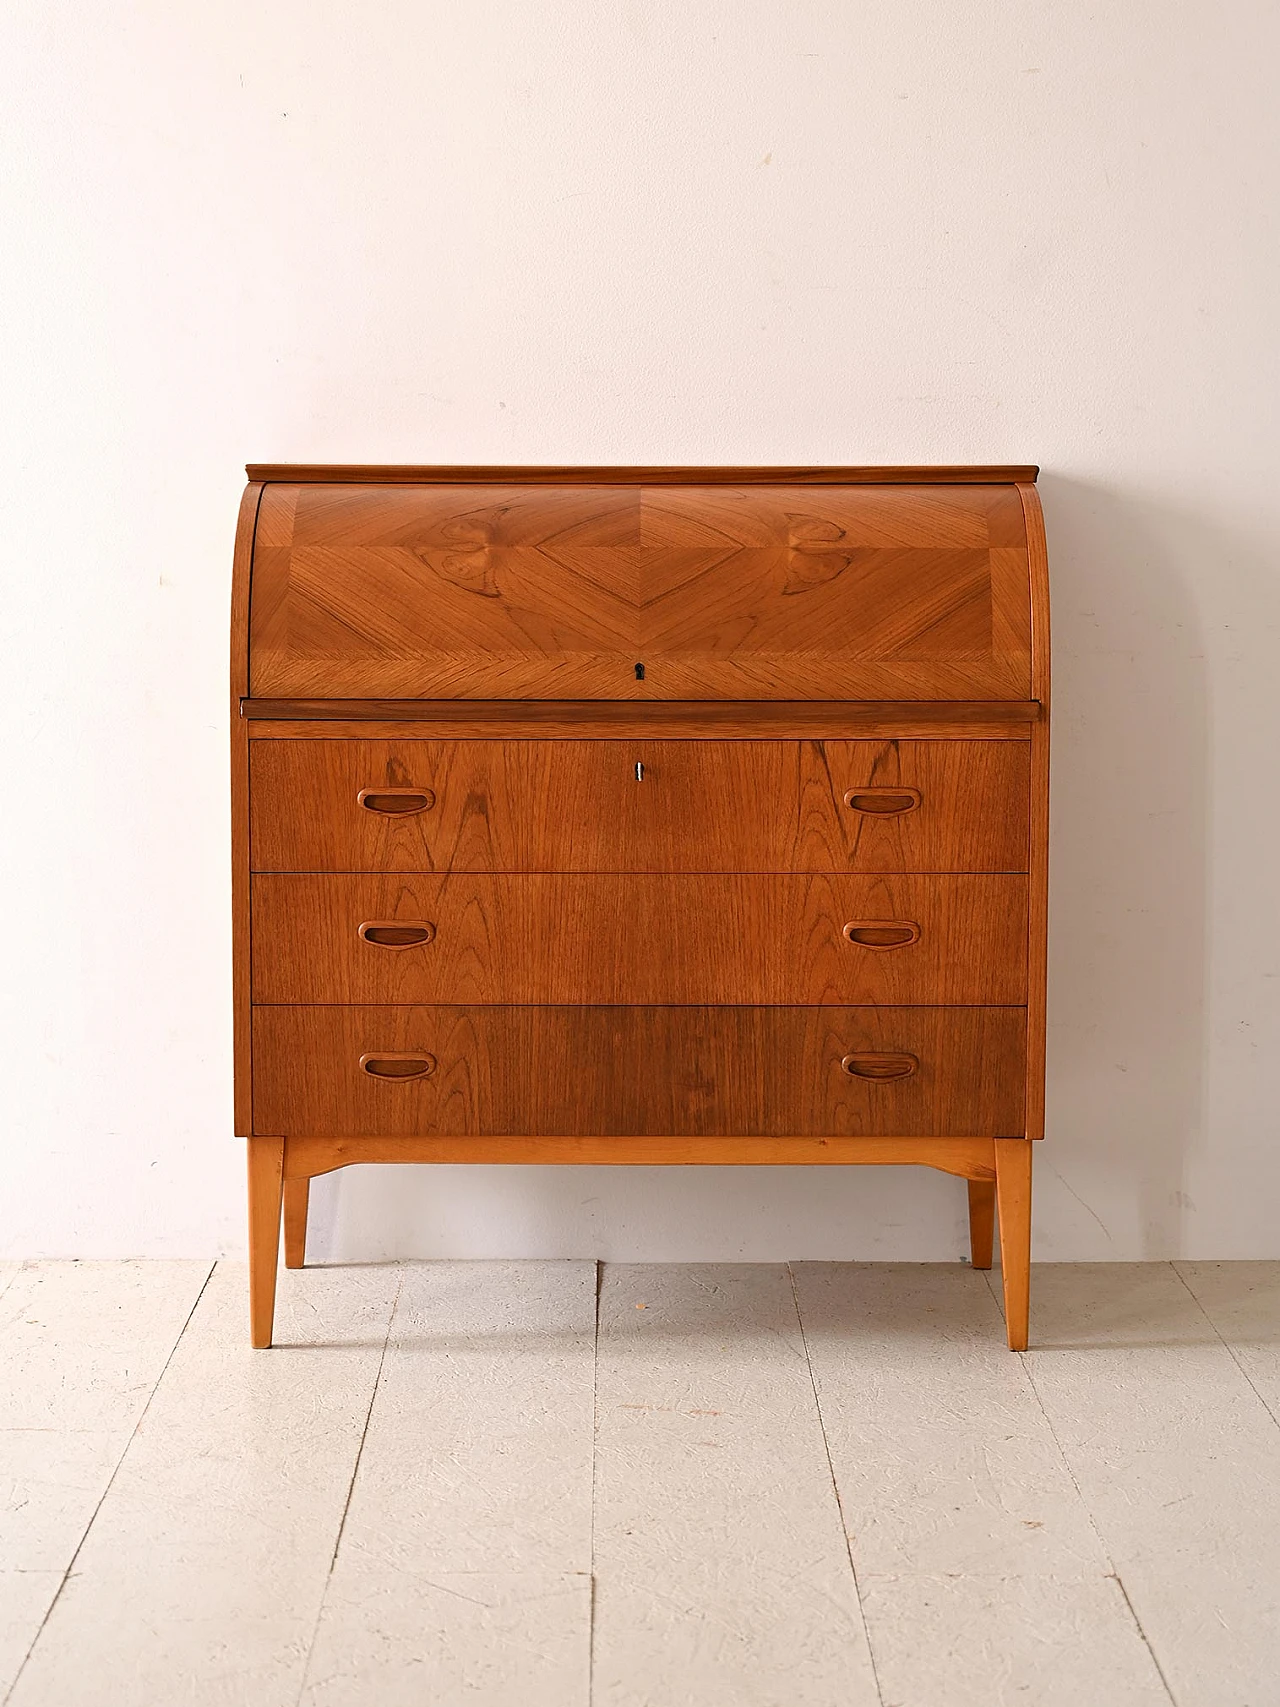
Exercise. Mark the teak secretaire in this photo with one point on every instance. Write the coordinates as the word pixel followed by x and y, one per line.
pixel 640 815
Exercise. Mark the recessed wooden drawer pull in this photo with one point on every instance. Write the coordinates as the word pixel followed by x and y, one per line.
pixel 882 802
pixel 882 933
pixel 880 1066
pixel 398 1066
pixel 389 933
pixel 396 802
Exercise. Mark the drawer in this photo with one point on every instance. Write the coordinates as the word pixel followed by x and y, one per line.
pixel 519 591
pixel 661 1071
pixel 640 938
pixel 414 805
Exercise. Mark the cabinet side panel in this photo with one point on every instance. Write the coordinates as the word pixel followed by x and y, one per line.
pixel 241 569
pixel 1038 847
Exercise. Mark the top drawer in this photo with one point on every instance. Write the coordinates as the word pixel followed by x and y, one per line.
pixel 764 591
pixel 696 806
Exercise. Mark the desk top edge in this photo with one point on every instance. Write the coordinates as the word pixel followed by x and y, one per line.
pixel 408 475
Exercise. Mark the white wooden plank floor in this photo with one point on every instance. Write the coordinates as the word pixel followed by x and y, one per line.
pixel 721 1571
pixel 464 1570
pixel 82 1346
pixel 536 1483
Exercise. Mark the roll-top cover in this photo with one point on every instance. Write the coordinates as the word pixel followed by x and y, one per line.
pixel 751 591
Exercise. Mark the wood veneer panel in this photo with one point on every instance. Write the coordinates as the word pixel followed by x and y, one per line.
pixel 599 1071
pixel 642 939
pixel 699 806
pixel 750 591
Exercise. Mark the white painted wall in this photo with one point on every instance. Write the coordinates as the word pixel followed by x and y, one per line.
pixel 844 231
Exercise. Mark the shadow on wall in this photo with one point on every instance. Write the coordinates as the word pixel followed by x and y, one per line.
pixel 1128 874
pixel 1126 968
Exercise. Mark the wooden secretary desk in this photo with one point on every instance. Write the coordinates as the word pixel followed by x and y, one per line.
pixel 661 815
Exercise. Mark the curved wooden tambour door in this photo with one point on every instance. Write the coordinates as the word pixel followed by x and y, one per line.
pixel 759 588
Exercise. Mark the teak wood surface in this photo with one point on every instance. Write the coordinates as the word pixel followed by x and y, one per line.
pixel 599 1071
pixel 411 474
pixel 644 816
pixel 642 938
pixel 241 932
pixel 698 806
pixel 1038 829
pixel 620 592
pixel 972 1159
pixel 606 720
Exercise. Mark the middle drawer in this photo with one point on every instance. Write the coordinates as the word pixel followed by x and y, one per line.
pixel 790 940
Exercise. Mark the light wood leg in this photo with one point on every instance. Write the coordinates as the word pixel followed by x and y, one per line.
pixel 297 1192
pixel 1013 1197
pixel 266 1179
pixel 982 1220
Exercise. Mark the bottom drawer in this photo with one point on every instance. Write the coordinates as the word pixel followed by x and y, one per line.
pixel 636 1071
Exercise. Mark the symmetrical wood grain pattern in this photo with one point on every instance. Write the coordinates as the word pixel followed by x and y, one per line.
pixel 646 815
pixel 702 806
pixel 626 592
pixel 644 939
pixel 701 1072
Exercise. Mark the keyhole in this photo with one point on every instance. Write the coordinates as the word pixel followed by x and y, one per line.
pixel 639 771
pixel 639 672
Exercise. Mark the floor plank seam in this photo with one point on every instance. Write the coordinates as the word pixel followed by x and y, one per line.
pixel 351 1487
pixel 6 1284
pixel 1226 1345
pixel 93 1516
pixel 1138 1626
pixel 835 1488
pixel 595 1460
pixel 1024 1359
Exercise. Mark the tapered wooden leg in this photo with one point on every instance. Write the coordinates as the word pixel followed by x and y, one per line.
pixel 266 1179
pixel 1013 1198
pixel 296 1194
pixel 982 1220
